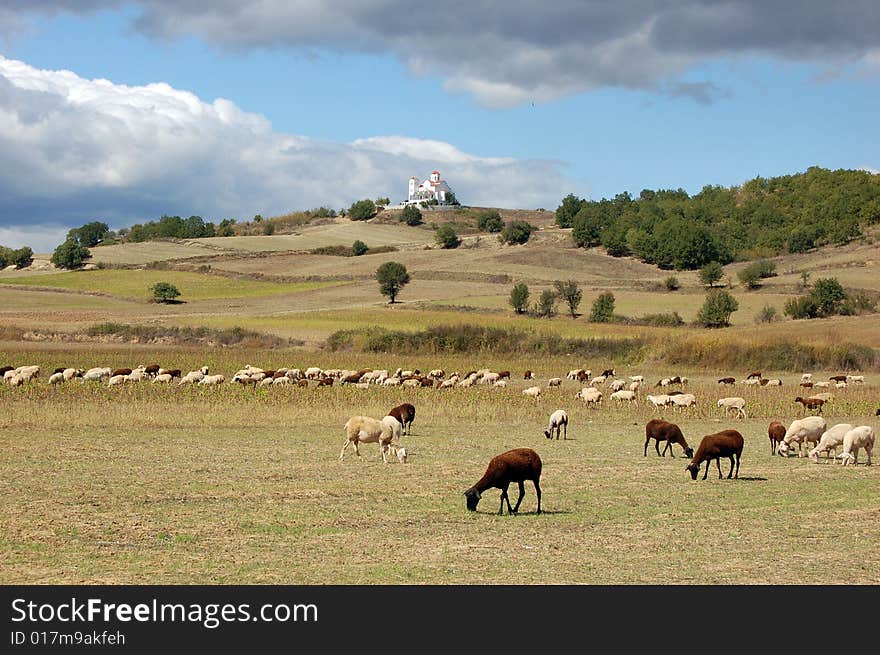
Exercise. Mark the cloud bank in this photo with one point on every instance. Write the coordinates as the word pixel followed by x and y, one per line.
pixel 512 52
pixel 74 150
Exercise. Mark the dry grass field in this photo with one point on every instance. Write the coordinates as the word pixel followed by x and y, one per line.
pixel 142 484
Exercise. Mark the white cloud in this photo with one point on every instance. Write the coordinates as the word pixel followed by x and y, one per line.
pixel 74 150
pixel 40 238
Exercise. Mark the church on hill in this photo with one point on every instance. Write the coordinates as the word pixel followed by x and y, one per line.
pixel 434 188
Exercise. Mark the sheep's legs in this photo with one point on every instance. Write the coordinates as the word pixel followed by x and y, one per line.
pixel 718 463
pixel 565 428
pixel 504 497
pixel 706 473
pixel 344 446
pixel 522 492
pixel 538 492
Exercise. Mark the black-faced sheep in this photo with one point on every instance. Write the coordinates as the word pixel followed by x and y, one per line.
pixel 517 465
pixel 558 422
pixel 661 430
pixel 727 443
pixel 406 414
pixel 727 380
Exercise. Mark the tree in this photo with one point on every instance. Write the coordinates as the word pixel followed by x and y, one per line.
pixel 828 295
pixel 603 308
pixel 546 305
pixel 566 211
pixel 384 202
pixel 451 199
pixel 392 277
pixel 225 229
pixel 359 248
pixel 411 215
pixel 70 255
pixel 519 297
pixel 716 309
pixel 490 221
pixel 671 283
pixel 446 237
pixel 750 277
pixel 164 292
pixel 710 273
pixel 89 235
pixel 268 228
pixel 570 293
pixel 362 210
pixel 22 257
pixel 516 232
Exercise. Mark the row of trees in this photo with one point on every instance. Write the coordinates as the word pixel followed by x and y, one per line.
pixel 18 257
pixel 671 229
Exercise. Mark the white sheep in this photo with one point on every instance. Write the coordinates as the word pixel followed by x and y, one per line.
pixel 634 386
pixel 623 395
pixel 733 403
pixel 806 430
pixel 213 379
pixel 682 400
pixel 590 395
pixel 137 374
pixel 855 379
pixel 807 377
pixel 572 374
pixel 534 392
pixel 617 385
pixel 194 376
pixel 500 383
pixel 637 378
pixel 859 437
pixel 558 423
pixel 70 373
pixel 163 378
pixel 365 429
pixel 554 382
pixel 599 379
pixel 830 440
pixel 56 378
pixel 660 400
pixel 116 380
pixel 313 373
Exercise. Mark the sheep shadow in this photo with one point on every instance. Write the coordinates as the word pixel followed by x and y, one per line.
pixel 752 478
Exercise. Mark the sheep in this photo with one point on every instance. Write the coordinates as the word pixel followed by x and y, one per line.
pixel 399 452
pixel 572 375
pixel 194 376
pixel 663 382
pixel 56 378
pixel 437 374
pixel 608 373
pixel 776 433
pixel 584 376
pixel 504 375
pixel 750 382
pixel 313 373
pixel 116 380
pixel 634 386
pixel 152 370
pixel 810 403
pixel 637 378
pixel 163 378
pixel 528 375
pixel 558 421
pixel 120 371
pixel 830 440
pixel 727 380
pixel 365 429
pixel 590 396
pixel 658 401
pixel 554 382
pixel 624 395
pixel 70 373
pixel 838 378
pixel 855 379
pixel 682 400
pixel 534 392
pixel 406 414
pixel 821 385
pixel 806 385
pixel 859 437
pixel 27 373
pixel 517 465
pixel 491 378
pixel 772 382
pixel 803 430
pixel 754 374
pixel 727 443
pixel 617 385
pixel 137 374
pixel 661 430
pixel 823 396
pixel 599 379
pixel 735 403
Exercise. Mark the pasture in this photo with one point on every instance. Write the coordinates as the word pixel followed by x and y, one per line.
pixel 142 484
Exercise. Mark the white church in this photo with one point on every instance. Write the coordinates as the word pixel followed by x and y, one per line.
pixel 434 188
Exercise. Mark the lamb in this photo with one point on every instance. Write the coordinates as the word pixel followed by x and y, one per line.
pixel 56 378
pixel 727 443
pixel 776 432
pixel 830 440
pixel 558 422
pixel 193 376
pixel 860 437
pixel 637 378
pixel 534 392
pixel 661 430
pixel 500 384
pixel 70 373
pixel 624 395
pixel 218 379
pixel 365 429
pixel 163 378
pixel 733 402
pixel 599 379
pixel 554 382
pixel 137 374
pixel 803 430
pixel 406 414
pixel 634 386
pixel 517 465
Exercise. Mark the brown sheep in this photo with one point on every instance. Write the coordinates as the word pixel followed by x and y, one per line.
pixel 811 403
pixel 727 381
pixel 661 430
pixel 776 432
pixel 607 373
pixel 528 375
pixel 121 371
pixel 754 374
pixel 406 414
pixel 838 378
pixel 727 443
pixel 515 465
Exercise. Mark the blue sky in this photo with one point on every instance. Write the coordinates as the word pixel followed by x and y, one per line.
pixel 326 103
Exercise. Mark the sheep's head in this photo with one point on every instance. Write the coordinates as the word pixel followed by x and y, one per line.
pixel 401 455
pixel 473 497
pixel 783 448
pixel 688 452
pixel 547 433
pixel 693 469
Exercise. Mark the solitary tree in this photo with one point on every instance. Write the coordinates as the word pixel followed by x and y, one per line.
pixel 392 277
pixel 164 292
pixel 571 293
pixel 516 232
pixel 717 308
pixel 70 255
pixel 490 221
pixel 603 308
pixel 519 298
pixel 362 210
pixel 546 305
pixel 446 237
pixel 711 273
pixel 359 248
pixel 411 215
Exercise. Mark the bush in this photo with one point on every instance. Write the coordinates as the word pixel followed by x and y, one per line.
pixel 268 228
pixel 411 215
pixel 359 248
pixel 225 229
pixel 603 308
pixel 716 309
pixel 749 277
pixel 21 257
pixel 802 307
pixel 362 210
pixel 70 255
pixel 446 237
pixel 665 319
pixel 519 298
pixel 164 292
pixel 710 273
pixel 490 221
pixel 570 293
pixel 392 277
pixel 516 232
pixel 546 305
pixel 768 314
pixel 829 295
pixel 671 283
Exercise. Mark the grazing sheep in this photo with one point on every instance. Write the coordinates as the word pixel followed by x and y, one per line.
pixel 658 401
pixel 727 443
pixel 608 373
pixel 406 414
pixel 806 385
pixel 860 437
pixel 830 440
pixel 807 377
pixel 163 378
pixel 634 386
pixel 682 400
pixel 572 375
pixel 584 376
pixel 624 395
pixel 120 371
pixel 517 465
pixel 772 382
pixel 617 385
pixel 855 379
pixel 599 379
pixel 822 385
pixel 663 382
pixel 218 379
pixel 811 403
pixel 776 432
pixel 116 380
pixel 754 374
pixel 528 375
pixel 399 452
pixel 637 378
pixel 838 378
pixel 554 382
pixel 590 395
pixel 727 381
pixel 534 392
pixel 805 430
pixel 70 373
pixel 733 403
pixel 194 376
pixel 558 421
pixel 365 429
pixel 56 378
pixel 661 430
